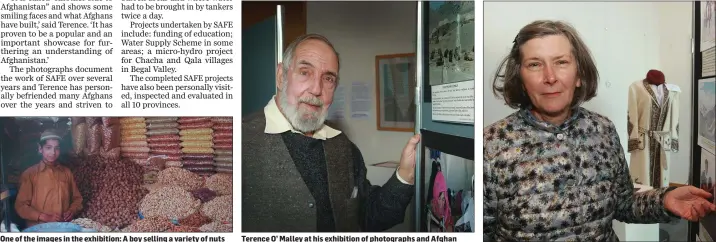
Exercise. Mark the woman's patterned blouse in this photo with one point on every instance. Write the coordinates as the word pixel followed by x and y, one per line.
pixel 560 183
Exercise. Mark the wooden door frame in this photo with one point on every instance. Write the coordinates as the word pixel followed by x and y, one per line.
pixel 294 22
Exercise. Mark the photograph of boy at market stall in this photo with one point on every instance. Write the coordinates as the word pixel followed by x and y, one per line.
pixel 48 192
pixel 132 174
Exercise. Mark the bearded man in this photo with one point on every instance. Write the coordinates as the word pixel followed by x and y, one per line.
pixel 300 175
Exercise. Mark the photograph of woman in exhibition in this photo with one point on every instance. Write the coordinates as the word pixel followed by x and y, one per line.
pixel 554 165
pixel 111 174
pixel 451 193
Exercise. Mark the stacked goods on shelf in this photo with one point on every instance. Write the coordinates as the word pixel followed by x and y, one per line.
pixel 79 136
pixel 196 141
pixel 93 144
pixel 163 141
pixel 223 144
pixel 133 142
pixel 110 151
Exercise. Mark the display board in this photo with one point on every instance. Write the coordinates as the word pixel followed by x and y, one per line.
pixel 703 109
pixel 450 60
pixel 446 51
pixel 445 65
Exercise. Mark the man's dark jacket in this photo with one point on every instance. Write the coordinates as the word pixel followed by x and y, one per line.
pixel 275 198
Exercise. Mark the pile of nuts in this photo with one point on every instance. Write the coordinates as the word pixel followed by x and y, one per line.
pixel 171 202
pixel 111 190
pixel 181 178
pixel 183 229
pixel 219 209
pixel 149 225
pixel 217 227
pixel 89 224
pixel 173 163
pixel 195 220
pixel 204 194
pixel 222 184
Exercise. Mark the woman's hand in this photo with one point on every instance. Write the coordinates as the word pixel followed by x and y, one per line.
pixel 689 203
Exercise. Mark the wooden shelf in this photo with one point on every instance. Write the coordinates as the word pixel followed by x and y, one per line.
pixel 387 164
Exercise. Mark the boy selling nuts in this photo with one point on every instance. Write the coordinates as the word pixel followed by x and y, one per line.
pixel 48 192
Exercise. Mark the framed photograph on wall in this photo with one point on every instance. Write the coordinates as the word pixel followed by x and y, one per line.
pixel 708 62
pixel 707 114
pixel 708 25
pixel 395 86
pixel 451 41
pixel 708 173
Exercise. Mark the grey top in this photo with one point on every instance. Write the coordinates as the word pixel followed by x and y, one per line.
pixel 554 183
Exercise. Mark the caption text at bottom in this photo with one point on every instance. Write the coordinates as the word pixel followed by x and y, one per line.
pixel 347 238
pixel 108 238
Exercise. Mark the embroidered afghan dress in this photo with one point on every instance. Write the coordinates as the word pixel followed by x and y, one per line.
pixel 653 126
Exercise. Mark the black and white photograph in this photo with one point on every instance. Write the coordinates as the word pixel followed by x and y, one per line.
pixel 707 114
pixel 451 41
pixel 708 25
pixel 708 173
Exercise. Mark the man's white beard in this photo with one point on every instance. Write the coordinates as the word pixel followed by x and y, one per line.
pixel 301 120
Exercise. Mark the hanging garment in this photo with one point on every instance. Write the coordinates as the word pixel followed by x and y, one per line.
pixel 468 217
pixel 457 207
pixel 433 172
pixel 653 127
pixel 441 202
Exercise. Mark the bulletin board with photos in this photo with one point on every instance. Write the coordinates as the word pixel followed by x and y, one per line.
pixel 449 50
pixel 134 174
pixel 444 200
pixel 703 168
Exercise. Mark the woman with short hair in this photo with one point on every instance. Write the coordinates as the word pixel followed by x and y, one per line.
pixel 554 170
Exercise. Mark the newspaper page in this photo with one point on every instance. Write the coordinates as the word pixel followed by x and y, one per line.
pixel 117 125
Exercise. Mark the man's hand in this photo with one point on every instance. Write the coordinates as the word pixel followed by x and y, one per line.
pixel 49 217
pixel 407 160
pixel 689 203
pixel 67 216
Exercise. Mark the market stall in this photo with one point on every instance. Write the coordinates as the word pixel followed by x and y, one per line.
pixel 137 174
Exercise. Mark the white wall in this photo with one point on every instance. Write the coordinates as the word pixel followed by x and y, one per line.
pixel 626 41
pixel 675 20
pixel 360 31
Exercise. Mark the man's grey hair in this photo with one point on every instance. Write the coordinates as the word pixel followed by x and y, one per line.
pixel 290 51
